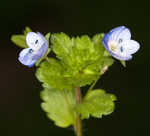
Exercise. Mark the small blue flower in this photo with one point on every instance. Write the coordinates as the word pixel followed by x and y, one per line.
pixel 37 48
pixel 119 44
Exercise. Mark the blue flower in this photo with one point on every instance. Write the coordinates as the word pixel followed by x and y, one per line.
pixel 37 48
pixel 119 44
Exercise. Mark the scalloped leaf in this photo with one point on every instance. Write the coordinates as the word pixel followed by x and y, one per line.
pixel 51 72
pixel 82 57
pixel 79 52
pixel 96 103
pixel 59 106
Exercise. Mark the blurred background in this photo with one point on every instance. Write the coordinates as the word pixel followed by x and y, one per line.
pixel 20 112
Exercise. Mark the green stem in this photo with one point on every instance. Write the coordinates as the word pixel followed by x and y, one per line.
pixel 94 83
pixel 78 125
pixel 101 73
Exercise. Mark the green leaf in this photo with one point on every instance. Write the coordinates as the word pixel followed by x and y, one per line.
pixel 27 30
pixel 77 52
pixel 104 58
pixel 47 36
pixel 96 103
pixel 106 53
pixel 19 40
pixel 123 63
pixel 79 61
pixel 82 79
pixel 59 106
pixel 107 62
pixel 51 72
pixel 82 57
pixel 62 46
pixel 97 40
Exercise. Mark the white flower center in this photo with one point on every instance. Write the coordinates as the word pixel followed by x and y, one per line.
pixel 113 46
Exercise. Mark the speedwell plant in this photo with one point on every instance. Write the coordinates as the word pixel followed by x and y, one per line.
pixel 79 61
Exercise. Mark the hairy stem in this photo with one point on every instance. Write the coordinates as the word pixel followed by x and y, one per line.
pixel 78 125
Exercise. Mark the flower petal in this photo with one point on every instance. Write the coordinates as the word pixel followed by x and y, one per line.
pixel 119 34
pixel 130 46
pixel 125 34
pixel 35 40
pixel 26 57
pixel 40 53
pixel 123 56
pixel 40 35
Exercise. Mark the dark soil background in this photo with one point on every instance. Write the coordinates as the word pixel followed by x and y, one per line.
pixel 20 112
